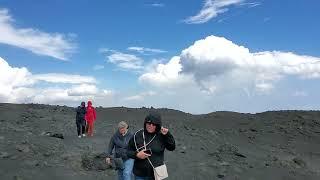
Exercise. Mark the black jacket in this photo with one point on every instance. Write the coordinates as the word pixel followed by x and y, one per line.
pixel 120 145
pixel 81 112
pixel 161 142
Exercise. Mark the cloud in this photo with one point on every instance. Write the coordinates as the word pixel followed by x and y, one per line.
pixel 12 79
pixel 140 97
pixel 264 87
pixel 105 92
pixel 288 63
pixel 107 50
pixel 69 96
pixel 210 10
pixel 300 94
pixel 165 75
pixel 215 73
pixel 125 61
pixel 216 58
pixel 63 78
pixel 83 89
pixel 216 64
pixel 157 5
pixel 122 60
pixel 53 96
pixel 98 67
pixel 146 50
pixel 19 85
pixel 251 4
pixel 41 43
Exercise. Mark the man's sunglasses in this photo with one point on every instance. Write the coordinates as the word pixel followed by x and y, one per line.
pixel 150 123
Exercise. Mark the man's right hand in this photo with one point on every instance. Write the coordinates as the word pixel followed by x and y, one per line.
pixel 142 155
pixel 108 160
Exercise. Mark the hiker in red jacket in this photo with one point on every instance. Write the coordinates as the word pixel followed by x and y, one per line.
pixel 90 118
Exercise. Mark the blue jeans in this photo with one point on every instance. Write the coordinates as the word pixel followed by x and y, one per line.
pixel 142 178
pixel 126 173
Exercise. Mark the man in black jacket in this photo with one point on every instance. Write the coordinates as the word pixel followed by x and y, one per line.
pixel 80 120
pixel 148 145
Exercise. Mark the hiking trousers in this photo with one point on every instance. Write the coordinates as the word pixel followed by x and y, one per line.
pixel 81 128
pixel 90 128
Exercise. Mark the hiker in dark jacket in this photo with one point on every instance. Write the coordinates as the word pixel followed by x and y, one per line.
pixel 119 143
pixel 80 119
pixel 157 139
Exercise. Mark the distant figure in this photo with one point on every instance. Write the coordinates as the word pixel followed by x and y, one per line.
pixel 147 148
pixel 119 143
pixel 90 118
pixel 80 119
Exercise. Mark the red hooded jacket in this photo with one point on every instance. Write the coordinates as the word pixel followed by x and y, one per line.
pixel 91 113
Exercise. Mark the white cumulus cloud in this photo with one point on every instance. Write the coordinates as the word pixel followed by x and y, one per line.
pixel 215 73
pixel 12 78
pixel 165 74
pixel 19 85
pixel 217 64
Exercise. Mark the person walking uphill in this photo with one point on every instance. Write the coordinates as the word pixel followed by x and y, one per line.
pixel 80 119
pixel 147 148
pixel 90 118
pixel 119 142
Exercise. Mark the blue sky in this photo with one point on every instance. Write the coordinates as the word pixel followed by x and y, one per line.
pixel 195 56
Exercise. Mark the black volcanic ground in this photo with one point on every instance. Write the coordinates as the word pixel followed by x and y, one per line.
pixel 220 145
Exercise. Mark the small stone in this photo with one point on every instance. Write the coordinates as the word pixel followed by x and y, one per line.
pixel 65 157
pixel 4 155
pixel 224 163
pixel 22 148
pixel 299 162
pixel 267 164
pixel 253 130
pixel 47 154
pixel 220 176
pixel 194 134
pixel 239 154
pixel 45 163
